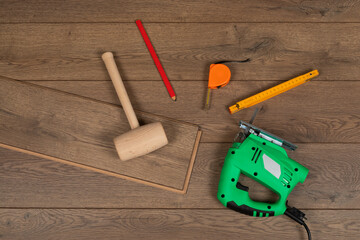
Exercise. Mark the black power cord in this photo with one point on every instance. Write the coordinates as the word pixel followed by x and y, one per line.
pixel 307 230
pixel 298 216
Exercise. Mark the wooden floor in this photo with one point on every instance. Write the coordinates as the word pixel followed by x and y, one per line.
pixel 58 44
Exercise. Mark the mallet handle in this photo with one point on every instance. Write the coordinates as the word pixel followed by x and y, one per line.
pixel 111 67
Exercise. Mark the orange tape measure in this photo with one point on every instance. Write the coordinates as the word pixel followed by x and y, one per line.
pixel 219 76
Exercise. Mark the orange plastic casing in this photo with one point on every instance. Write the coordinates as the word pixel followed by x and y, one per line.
pixel 219 76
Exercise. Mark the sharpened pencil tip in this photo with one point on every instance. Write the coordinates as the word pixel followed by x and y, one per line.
pixel 173 98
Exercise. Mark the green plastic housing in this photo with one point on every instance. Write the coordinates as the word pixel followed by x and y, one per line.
pixel 266 163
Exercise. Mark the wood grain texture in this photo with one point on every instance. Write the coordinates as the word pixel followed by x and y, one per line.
pixel 30 182
pixel 276 51
pixel 76 130
pixel 179 224
pixel 59 43
pixel 180 11
pixel 318 111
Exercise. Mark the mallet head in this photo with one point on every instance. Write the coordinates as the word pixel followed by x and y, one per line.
pixel 140 141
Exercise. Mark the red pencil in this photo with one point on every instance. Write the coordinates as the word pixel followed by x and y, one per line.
pixel 156 60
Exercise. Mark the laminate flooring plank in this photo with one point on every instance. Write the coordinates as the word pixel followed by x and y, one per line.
pixel 31 182
pixel 186 50
pixel 317 111
pixel 180 11
pixel 79 131
pixel 177 224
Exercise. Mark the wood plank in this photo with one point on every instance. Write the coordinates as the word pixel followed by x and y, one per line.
pixel 179 224
pixel 318 111
pixel 180 11
pixel 78 131
pixel 31 182
pixel 276 50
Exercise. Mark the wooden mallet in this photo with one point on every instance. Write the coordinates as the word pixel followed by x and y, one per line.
pixel 140 140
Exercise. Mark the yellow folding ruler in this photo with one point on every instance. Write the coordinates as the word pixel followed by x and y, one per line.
pixel 272 92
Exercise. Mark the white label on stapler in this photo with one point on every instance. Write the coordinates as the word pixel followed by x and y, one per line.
pixel 272 166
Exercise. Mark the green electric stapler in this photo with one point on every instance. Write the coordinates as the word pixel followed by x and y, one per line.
pixel 261 156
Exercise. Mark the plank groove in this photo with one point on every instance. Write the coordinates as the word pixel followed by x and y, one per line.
pixel 318 111
pixel 276 50
pixel 180 11
pixel 179 224
pixel 27 181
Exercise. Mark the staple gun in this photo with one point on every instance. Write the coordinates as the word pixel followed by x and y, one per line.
pixel 261 156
